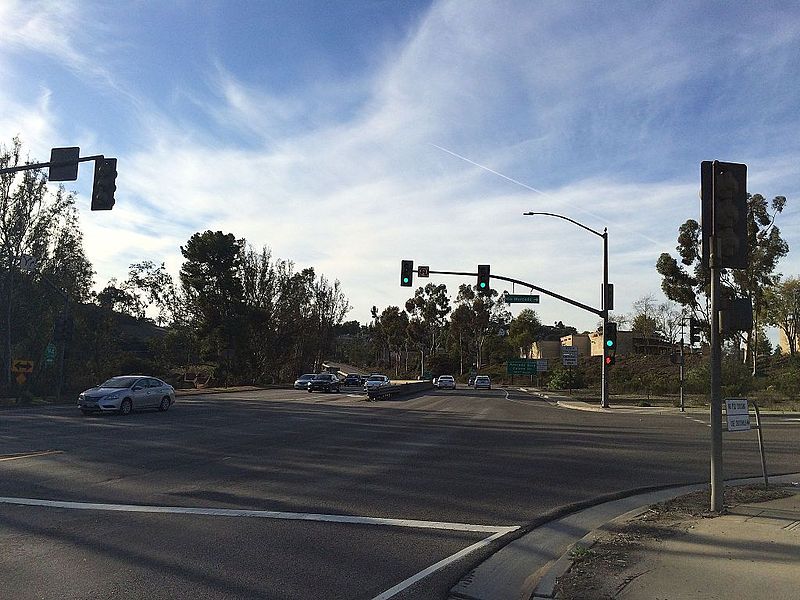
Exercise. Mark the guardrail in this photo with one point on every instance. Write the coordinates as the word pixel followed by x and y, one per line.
pixel 399 389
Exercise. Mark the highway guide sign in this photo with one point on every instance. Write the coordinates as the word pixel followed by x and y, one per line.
pixel 738 414
pixel 521 366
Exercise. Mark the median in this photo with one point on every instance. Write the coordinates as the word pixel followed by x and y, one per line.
pixel 401 388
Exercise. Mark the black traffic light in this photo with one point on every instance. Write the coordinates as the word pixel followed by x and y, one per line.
pixel 483 280
pixel 694 331
pixel 723 192
pixel 610 343
pixel 407 273
pixel 105 175
pixel 62 328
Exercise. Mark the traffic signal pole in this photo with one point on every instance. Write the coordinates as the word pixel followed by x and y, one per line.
pixel 606 301
pixel 717 481
pixel 605 293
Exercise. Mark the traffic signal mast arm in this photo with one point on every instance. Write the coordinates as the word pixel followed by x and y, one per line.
pixel 585 307
pixel 58 163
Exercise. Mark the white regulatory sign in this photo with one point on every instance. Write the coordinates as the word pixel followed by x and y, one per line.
pixel 738 414
pixel 569 356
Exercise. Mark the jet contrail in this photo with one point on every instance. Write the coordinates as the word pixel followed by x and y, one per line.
pixel 533 189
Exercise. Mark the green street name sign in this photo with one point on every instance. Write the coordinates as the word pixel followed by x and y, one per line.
pixel 521 366
pixel 521 298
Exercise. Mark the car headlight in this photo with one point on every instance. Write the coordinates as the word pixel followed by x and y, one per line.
pixel 114 396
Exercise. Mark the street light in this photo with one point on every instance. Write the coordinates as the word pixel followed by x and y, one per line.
pixel 606 299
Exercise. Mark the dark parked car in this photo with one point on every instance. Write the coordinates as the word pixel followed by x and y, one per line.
pixel 302 382
pixel 353 379
pixel 324 382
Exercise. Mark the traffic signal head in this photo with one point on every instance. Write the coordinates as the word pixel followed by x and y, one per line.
pixel 483 280
pixel 407 273
pixel 610 343
pixel 105 176
pixel 694 331
pixel 724 212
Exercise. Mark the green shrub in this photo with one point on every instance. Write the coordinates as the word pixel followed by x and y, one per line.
pixel 561 379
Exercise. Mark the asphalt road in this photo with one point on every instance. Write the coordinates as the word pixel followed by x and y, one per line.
pixel 281 494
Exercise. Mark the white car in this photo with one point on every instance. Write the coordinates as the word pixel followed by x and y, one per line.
pixel 127 393
pixel 374 382
pixel 483 382
pixel 446 382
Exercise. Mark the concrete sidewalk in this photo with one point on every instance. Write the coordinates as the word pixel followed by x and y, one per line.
pixel 752 552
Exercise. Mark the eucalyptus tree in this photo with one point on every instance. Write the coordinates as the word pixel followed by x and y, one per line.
pixel 688 283
pixel 427 312
pixel 782 310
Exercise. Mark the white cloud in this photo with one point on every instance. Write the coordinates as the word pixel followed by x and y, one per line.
pixel 537 92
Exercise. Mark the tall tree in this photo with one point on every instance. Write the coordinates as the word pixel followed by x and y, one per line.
pixel 486 317
pixel 214 292
pixel 427 311
pixel 688 284
pixel 394 325
pixel 44 225
pixel 160 291
pixel 643 318
pixel 525 329
pixel 782 310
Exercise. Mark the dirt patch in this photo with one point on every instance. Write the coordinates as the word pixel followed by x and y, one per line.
pixel 596 572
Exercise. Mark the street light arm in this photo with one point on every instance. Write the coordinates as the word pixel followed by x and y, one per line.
pixel 597 233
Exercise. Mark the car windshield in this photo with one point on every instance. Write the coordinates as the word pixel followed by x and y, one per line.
pixel 323 377
pixel 308 376
pixel 376 378
pixel 118 382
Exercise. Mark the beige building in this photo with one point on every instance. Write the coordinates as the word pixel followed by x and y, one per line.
pixel 580 341
pixel 546 349
pixel 624 342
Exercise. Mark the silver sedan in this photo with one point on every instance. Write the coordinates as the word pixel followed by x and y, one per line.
pixel 127 393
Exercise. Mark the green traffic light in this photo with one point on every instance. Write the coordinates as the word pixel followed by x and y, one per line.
pixel 405 279
pixel 609 343
pixel 483 284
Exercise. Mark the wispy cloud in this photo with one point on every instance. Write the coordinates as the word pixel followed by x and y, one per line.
pixel 485 111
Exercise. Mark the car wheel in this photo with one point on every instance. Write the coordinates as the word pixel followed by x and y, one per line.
pixel 126 407
pixel 309 391
pixel 164 404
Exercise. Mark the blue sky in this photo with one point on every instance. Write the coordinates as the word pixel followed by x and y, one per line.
pixel 350 135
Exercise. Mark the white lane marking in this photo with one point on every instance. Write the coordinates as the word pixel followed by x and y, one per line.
pixel 31 455
pixel 263 514
pixel 439 565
